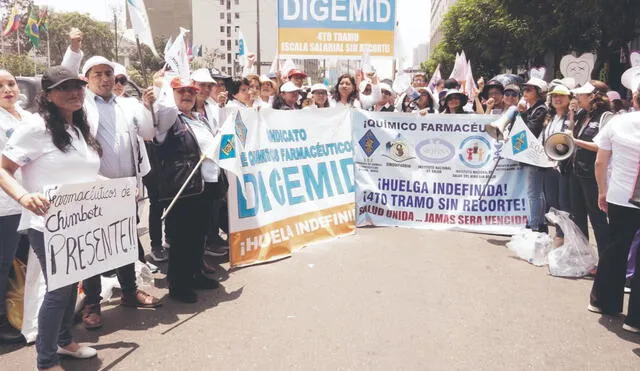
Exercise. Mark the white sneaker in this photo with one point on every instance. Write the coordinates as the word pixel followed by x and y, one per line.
pixel 594 309
pixel 626 327
pixel 152 267
pixel 82 352
pixel 627 290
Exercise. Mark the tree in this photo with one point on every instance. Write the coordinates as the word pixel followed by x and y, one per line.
pixel 21 65
pixel 97 40
pixel 561 26
pixel 490 37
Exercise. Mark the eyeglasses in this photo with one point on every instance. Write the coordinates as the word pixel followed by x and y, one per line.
pixel 122 80
pixel 69 86
pixel 511 94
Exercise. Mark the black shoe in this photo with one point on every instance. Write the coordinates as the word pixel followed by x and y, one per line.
pixel 183 295
pixel 202 282
pixel 8 334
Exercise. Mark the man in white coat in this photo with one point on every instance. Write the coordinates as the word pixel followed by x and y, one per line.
pixel 120 130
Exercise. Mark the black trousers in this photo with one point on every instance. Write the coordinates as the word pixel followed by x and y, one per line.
pixel 92 286
pixel 607 292
pixel 584 203
pixel 187 225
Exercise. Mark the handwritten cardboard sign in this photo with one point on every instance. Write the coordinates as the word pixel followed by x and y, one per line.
pixel 90 228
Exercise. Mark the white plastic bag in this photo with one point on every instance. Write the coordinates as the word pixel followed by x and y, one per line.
pixel 531 246
pixel 144 277
pixel 34 289
pixel 576 258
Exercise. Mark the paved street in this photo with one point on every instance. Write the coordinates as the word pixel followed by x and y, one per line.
pixel 384 299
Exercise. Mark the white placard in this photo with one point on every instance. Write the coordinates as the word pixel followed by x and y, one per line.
pixel 90 228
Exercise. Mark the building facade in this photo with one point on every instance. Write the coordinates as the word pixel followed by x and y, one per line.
pixel 438 9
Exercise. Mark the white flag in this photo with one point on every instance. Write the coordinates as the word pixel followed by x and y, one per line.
pixel 437 76
pixel 287 66
pixel 167 45
pixel 471 84
pixel 365 61
pixel 242 49
pixel 140 23
pixel 229 144
pixel 177 58
pixel 524 147
pixel 274 65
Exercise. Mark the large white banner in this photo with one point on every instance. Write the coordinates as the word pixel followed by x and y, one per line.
pixel 90 228
pixel 430 171
pixel 296 180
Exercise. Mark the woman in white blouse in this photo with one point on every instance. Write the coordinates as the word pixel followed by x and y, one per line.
pixel 345 93
pixel 11 117
pixel 556 180
pixel 53 147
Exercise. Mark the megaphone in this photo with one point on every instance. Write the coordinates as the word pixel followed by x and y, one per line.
pixel 559 146
pixel 496 128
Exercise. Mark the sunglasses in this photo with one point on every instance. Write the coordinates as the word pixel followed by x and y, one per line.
pixel 69 86
pixel 121 80
pixel 511 94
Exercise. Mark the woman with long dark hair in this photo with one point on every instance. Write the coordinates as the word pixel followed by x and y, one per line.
pixel 11 117
pixel 345 93
pixel 594 113
pixel 454 102
pixel 54 147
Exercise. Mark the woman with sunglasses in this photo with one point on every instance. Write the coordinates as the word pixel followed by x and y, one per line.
pixel 511 96
pixel 54 147
pixel 12 116
pixel 184 137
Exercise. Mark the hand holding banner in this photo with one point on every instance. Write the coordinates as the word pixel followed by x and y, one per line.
pixel 523 146
pixel 90 228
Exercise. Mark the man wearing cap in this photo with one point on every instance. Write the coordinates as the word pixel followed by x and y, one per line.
pixel 219 91
pixel 494 92
pixel 205 106
pixel 117 129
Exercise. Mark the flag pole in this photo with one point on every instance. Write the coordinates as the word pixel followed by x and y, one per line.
pixel 145 77
pixel 18 40
pixel 48 50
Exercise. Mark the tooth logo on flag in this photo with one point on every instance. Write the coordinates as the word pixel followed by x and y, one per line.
pixel 519 142
pixel 227 148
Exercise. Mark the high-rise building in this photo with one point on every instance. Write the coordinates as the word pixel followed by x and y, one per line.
pixel 438 9
pixel 167 16
pixel 216 24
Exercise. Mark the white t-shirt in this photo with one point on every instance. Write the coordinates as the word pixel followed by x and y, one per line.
pixel 621 136
pixel 8 125
pixel 42 163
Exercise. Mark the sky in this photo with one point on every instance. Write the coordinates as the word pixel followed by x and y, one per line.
pixel 413 17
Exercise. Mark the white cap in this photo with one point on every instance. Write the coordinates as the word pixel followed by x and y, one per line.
pixel 538 83
pixel 584 89
pixel 265 78
pixel 631 79
pixel 96 61
pixel 319 87
pixel 385 86
pixel 202 75
pixel 289 87
pixel 119 69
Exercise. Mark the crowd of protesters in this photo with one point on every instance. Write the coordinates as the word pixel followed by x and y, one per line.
pixel 87 128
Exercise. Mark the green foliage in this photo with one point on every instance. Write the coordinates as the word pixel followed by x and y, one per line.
pixel 20 65
pixel 97 37
pixel 490 37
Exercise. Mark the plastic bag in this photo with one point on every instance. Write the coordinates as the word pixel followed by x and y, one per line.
pixel 576 258
pixel 531 246
pixel 15 294
pixel 35 288
pixel 144 277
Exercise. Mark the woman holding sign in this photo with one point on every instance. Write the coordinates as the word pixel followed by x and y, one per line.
pixel 54 147
pixel 11 117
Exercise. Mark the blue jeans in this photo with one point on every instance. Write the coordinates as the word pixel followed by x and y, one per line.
pixel 535 180
pixel 556 193
pixel 9 238
pixel 56 313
